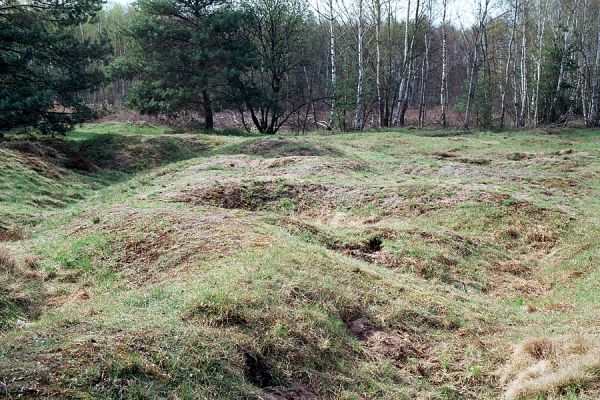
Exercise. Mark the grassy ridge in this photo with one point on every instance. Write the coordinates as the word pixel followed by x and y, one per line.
pixel 372 265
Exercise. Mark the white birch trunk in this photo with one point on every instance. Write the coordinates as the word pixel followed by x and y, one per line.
pixel 358 120
pixel 380 105
pixel 595 109
pixel 444 80
pixel 523 70
pixel 408 72
pixel 538 64
pixel 333 69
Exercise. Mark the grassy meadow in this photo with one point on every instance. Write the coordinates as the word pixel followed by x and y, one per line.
pixel 139 263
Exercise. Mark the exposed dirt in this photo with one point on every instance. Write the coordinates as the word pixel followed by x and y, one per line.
pixel 11 234
pixel 296 391
pixel 398 346
pixel 256 195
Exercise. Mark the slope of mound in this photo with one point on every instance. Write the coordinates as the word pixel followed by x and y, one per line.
pixel 43 174
pixel 397 266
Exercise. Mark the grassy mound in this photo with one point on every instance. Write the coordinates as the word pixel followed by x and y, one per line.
pixel 376 265
pixel 44 174
pixel 281 147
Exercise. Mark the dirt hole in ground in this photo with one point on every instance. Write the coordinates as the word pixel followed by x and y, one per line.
pixel 370 245
pixel 257 370
pixel 374 244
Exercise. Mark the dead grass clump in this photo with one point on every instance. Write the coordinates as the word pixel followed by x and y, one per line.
pixel 541 238
pixel 546 366
pixel 21 292
pixel 513 267
pixel 259 195
pixel 440 155
pixel 561 183
pixel 512 232
pixel 147 246
pixel 12 234
pixel 221 310
pixel 517 156
pixel 476 161
pixel 7 263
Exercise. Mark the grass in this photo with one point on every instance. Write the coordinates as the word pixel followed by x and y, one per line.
pixel 21 291
pixel 405 264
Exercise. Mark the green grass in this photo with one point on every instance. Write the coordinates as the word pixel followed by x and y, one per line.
pixel 360 265
pixel 90 131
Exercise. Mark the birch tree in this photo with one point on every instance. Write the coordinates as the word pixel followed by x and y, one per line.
pixel 358 119
pixel 444 78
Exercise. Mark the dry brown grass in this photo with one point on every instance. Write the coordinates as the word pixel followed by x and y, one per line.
pixel 21 291
pixel 546 366
pixel 10 235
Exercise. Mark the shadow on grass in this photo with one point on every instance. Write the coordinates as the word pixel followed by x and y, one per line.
pixel 135 153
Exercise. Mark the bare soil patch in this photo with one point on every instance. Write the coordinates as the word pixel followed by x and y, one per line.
pixel 397 346
pixel 257 195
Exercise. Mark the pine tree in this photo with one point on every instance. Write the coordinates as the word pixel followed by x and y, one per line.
pixel 182 54
pixel 44 65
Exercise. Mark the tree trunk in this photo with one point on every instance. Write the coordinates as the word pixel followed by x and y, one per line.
pixel 407 75
pixel 523 70
pixel 444 84
pixel 475 61
pixel 333 69
pixel 595 108
pixel 471 89
pixel 538 63
pixel 380 102
pixel 563 60
pixel 507 68
pixel 359 89
pixel 209 123
pixel 584 69
pixel 403 78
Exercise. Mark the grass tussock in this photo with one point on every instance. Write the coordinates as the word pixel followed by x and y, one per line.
pixel 21 292
pixel 551 367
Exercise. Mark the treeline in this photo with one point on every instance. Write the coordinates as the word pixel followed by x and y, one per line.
pixel 347 65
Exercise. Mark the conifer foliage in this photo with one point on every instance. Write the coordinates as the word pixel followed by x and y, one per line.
pixel 46 64
pixel 182 54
